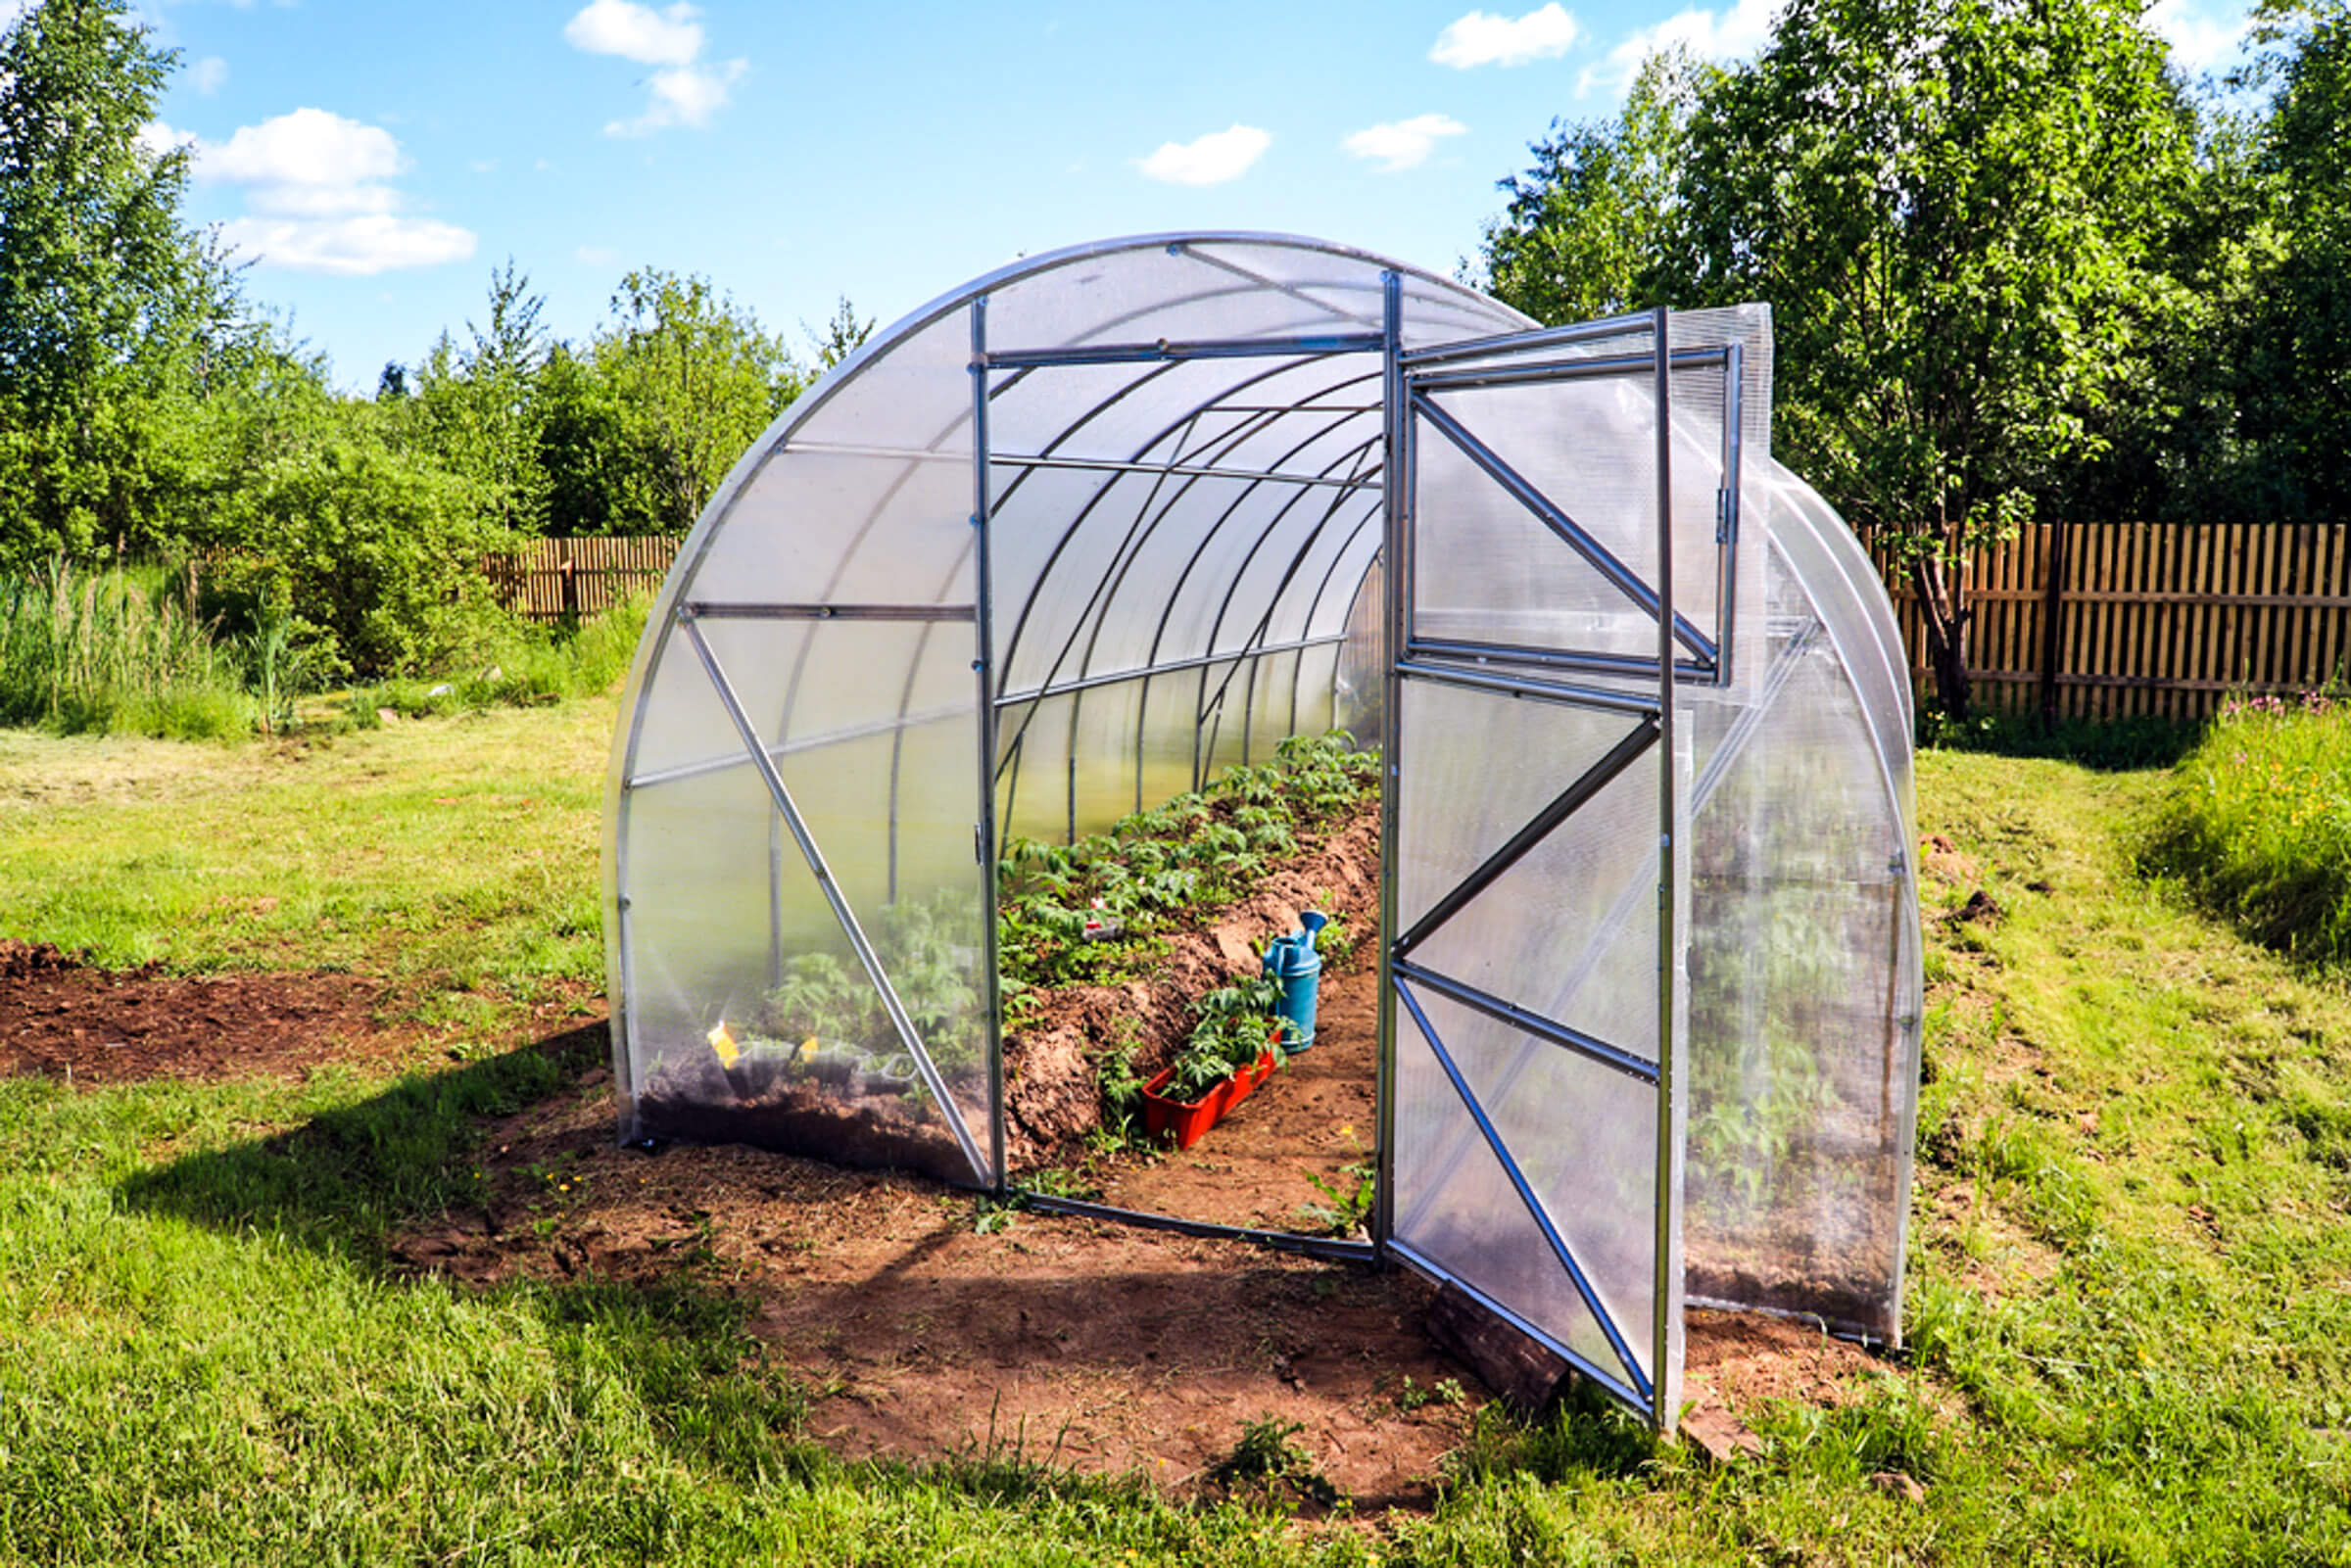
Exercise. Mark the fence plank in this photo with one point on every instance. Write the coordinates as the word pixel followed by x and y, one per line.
pixel 554 579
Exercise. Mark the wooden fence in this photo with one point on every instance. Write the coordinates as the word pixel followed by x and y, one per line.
pixel 2099 620
pixel 554 579
pixel 2109 620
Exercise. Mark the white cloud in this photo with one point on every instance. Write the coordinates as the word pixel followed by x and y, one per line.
pixel 596 254
pixel 317 197
pixel 686 96
pixel 348 247
pixel 1405 143
pixel 308 147
pixel 1731 33
pixel 209 74
pixel 1481 39
pixel 2201 39
pixel 154 138
pixel 636 32
pixel 684 93
pixel 1213 159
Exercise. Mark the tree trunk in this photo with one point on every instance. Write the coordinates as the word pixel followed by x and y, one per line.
pixel 1944 607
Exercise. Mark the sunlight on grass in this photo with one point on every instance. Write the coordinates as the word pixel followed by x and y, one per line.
pixel 449 852
pixel 2128 1316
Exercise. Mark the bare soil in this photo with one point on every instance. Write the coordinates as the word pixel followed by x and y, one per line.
pixel 923 1325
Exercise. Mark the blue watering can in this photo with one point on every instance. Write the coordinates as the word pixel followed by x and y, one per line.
pixel 1294 962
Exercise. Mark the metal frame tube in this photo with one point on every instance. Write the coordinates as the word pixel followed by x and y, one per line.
pixel 1161 351
pixel 1179 470
pixel 1587 1046
pixel 1395 583
pixel 815 857
pixel 1615 327
pixel 1574 696
pixel 1666 1324
pixel 983 670
pixel 1726 533
pixel 1553 370
pixel 1629 666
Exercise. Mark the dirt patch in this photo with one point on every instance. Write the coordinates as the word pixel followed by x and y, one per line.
pixel 928 1326
pixel 1736 1361
pixel 925 1323
pixel 64 1019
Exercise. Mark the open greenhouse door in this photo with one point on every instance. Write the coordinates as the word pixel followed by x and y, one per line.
pixel 1536 793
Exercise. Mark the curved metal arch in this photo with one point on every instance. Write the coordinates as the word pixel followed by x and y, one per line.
pixel 1145 523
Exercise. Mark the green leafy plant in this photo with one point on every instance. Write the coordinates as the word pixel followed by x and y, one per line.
pixel 1267 1462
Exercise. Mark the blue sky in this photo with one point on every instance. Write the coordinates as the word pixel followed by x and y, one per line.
pixel 376 162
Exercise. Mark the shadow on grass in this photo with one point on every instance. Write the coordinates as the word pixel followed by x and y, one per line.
pixel 345 1181
pixel 2106 745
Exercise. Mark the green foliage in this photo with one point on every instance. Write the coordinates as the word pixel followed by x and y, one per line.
pixel 693 380
pixel 2258 823
pixel 1957 211
pixel 1583 233
pixel 115 651
pixel 109 306
pixel 1233 1030
pixel 1193 855
pixel 1266 1462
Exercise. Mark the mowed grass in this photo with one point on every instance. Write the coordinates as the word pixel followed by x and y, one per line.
pixel 444 855
pixel 2130 1310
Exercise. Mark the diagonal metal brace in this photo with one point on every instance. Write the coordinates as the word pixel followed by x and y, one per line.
pixel 1618 575
pixel 1526 1195
pixel 874 972
pixel 1563 805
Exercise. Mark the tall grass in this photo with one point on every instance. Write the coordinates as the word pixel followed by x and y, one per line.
pixel 2257 823
pixel 123 651
pixel 115 651
pixel 524 665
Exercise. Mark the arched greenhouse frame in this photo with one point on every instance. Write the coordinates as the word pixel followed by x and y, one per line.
pixel 1072 538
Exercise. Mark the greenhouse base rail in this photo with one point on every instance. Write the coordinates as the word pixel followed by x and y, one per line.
pixel 1332 1248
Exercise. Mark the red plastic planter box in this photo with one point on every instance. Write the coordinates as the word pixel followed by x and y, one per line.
pixel 1186 1121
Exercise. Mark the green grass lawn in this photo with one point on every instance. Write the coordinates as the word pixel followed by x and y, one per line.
pixel 2130 1308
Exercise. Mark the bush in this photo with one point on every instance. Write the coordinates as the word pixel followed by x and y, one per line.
pixel 370 555
pixel 2257 823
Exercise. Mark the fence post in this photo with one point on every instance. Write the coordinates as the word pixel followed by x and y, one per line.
pixel 2052 620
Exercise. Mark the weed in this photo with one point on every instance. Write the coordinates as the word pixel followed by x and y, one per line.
pixel 1266 1462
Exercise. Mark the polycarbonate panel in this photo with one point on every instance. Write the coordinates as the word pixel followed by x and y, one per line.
pixel 1800 1085
pixel 831 527
pixel 1570 930
pixel 751 1017
pixel 1490 570
pixel 1584 1139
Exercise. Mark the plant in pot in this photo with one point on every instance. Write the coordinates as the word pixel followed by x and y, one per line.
pixel 1230 1051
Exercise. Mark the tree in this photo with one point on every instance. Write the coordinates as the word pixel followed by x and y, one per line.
pixel 694 380
pixel 2295 353
pixel 1953 208
pixel 1583 233
pixel 105 299
pixel 480 403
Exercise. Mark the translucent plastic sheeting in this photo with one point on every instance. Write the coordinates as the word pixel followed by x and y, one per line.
pixel 1584 1140
pixel 1570 930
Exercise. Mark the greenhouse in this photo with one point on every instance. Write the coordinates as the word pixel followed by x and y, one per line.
pixel 1070 541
